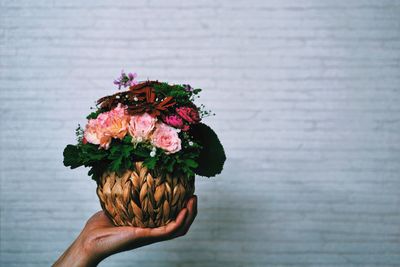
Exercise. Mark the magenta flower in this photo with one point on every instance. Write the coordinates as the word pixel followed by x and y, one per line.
pixel 176 121
pixel 189 114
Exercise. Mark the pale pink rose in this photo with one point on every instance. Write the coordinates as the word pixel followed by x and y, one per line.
pixel 140 126
pixel 94 134
pixel 189 114
pixel 91 133
pixel 166 137
pixel 108 125
pixel 176 121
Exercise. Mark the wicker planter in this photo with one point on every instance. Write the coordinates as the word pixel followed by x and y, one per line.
pixel 139 199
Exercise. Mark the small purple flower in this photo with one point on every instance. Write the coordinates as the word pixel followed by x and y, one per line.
pixel 126 80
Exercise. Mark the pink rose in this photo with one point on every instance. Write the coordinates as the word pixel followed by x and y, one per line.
pixel 176 121
pixel 189 114
pixel 119 111
pixel 140 126
pixel 108 125
pixel 92 133
pixel 95 134
pixel 166 137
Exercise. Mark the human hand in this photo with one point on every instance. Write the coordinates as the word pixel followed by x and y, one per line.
pixel 100 238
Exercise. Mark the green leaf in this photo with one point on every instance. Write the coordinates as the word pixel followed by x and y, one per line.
pixel 180 95
pixel 115 165
pixel 92 153
pixel 127 139
pixel 141 152
pixel 150 163
pixel 126 150
pixel 196 91
pixel 127 164
pixel 191 163
pixel 212 156
pixel 98 169
pixel 94 114
pixel 72 157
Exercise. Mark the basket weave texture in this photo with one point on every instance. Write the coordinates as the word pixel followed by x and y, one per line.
pixel 136 198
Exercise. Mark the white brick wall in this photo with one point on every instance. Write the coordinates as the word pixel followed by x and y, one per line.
pixel 307 99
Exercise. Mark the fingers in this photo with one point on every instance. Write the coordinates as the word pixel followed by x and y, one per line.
pixel 127 237
pixel 192 213
pixel 176 228
pixel 167 231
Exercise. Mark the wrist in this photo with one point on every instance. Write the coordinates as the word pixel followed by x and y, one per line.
pixel 77 255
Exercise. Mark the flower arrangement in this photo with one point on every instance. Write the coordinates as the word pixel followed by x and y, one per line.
pixel 151 123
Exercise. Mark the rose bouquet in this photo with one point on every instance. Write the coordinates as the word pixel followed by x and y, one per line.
pixel 144 146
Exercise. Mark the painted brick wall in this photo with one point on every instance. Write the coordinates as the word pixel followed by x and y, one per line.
pixel 307 98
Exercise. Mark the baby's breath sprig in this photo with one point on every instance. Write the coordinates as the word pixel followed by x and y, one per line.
pixel 205 112
pixel 79 133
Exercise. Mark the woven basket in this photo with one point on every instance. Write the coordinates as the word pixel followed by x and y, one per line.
pixel 139 199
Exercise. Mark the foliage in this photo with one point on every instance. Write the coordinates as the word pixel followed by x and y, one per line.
pixel 94 114
pixel 181 94
pixel 122 155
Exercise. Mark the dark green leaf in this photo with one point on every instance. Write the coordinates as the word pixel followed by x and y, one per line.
pixel 98 169
pixel 72 157
pixel 94 114
pixel 150 163
pixel 127 139
pixel 191 163
pixel 196 91
pixel 115 165
pixel 212 156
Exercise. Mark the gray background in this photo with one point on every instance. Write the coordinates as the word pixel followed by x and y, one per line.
pixel 307 101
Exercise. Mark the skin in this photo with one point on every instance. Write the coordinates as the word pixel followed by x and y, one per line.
pixel 100 239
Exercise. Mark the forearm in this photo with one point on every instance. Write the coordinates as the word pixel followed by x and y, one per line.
pixel 76 256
